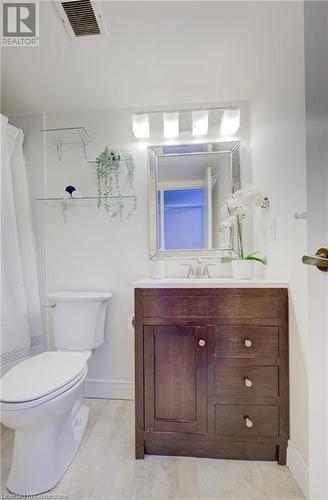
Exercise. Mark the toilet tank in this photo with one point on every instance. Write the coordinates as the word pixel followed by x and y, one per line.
pixel 79 319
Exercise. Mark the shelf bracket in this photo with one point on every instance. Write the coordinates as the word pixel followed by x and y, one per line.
pixel 85 149
pixel 59 146
pixel 67 136
pixel 65 208
pixel 84 145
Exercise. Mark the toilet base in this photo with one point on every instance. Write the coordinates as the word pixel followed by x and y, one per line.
pixel 43 454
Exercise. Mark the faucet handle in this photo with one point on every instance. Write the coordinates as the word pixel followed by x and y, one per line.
pixel 190 270
pixel 206 273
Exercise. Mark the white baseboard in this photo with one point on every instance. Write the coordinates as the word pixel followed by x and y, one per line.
pixel 298 468
pixel 109 389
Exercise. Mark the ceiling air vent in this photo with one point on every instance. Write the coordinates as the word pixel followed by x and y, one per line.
pixel 82 18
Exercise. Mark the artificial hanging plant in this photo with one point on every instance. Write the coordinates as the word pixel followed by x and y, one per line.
pixel 112 165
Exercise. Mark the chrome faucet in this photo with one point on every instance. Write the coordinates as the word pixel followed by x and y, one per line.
pixel 206 273
pixel 190 273
pixel 199 268
pixel 200 271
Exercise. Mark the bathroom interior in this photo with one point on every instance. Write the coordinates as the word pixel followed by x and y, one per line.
pixel 156 201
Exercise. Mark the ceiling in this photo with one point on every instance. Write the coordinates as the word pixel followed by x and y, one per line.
pixel 157 53
pixel 189 167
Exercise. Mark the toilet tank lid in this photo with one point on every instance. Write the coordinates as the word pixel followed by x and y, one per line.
pixel 42 374
pixel 67 296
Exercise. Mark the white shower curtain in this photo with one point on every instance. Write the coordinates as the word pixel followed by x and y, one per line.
pixel 21 325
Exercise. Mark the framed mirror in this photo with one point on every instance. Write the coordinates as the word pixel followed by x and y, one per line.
pixel 188 186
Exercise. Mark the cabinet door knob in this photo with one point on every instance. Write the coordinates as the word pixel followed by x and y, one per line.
pixel 248 422
pixel 248 382
pixel 201 343
pixel 248 343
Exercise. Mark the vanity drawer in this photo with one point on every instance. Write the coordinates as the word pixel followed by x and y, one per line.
pixel 247 420
pixel 246 341
pixel 220 303
pixel 246 381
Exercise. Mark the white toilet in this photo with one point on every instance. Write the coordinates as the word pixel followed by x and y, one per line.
pixel 41 397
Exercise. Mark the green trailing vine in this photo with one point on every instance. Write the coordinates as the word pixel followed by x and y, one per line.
pixel 111 165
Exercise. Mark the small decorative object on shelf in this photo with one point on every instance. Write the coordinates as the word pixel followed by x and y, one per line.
pixel 111 166
pixel 70 190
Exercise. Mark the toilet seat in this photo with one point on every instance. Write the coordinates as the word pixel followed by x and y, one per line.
pixel 26 405
pixel 41 378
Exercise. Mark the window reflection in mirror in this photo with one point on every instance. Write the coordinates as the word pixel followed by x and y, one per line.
pixel 179 211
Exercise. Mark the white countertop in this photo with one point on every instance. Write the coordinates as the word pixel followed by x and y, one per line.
pixel 207 283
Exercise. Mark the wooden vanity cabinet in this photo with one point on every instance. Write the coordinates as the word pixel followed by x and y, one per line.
pixel 212 372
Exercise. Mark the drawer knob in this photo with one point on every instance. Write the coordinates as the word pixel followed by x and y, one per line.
pixel 248 382
pixel 248 422
pixel 248 343
pixel 201 343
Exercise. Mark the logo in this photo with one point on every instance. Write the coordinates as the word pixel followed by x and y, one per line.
pixel 20 24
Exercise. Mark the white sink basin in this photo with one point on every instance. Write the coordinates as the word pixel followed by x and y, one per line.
pixel 206 283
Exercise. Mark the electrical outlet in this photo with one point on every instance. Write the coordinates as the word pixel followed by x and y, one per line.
pixel 273 229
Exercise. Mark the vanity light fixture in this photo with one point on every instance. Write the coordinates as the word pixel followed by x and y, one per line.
pixel 171 124
pixel 199 122
pixel 140 125
pixel 230 121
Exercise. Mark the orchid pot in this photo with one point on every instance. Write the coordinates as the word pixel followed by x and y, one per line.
pixel 242 269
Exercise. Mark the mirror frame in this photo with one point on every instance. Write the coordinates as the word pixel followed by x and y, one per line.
pixel 231 148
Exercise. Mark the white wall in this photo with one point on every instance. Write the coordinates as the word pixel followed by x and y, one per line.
pixel 91 251
pixel 278 164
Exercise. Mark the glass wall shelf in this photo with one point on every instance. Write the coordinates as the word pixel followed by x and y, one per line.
pixel 84 200
pixel 66 136
pixel 90 201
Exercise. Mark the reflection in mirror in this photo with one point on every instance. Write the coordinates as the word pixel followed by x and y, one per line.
pixel 188 187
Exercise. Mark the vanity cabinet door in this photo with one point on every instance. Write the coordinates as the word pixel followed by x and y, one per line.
pixel 175 364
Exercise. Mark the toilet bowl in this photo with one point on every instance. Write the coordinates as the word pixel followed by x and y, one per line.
pixel 41 397
pixel 41 400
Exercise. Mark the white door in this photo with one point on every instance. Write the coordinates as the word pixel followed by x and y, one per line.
pixel 316 83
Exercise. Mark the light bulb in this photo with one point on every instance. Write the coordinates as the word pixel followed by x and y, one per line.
pixel 171 124
pixel 230 121
pixel 199 122
pixel 140 125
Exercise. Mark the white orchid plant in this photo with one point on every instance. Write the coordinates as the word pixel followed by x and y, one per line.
pixel 235 210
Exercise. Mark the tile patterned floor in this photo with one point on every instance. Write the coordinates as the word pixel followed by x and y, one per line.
pixel 104 468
